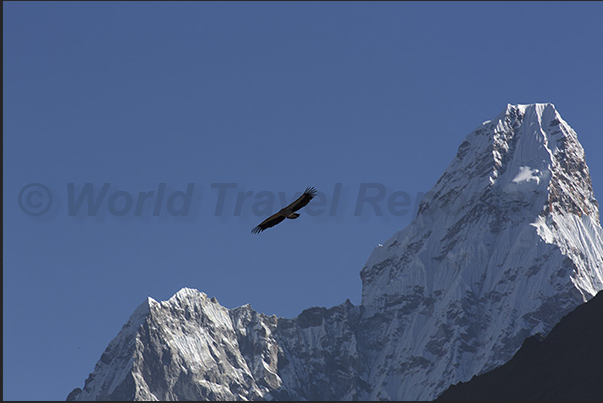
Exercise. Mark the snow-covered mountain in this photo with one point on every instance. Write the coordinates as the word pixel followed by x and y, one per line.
pixel 506 243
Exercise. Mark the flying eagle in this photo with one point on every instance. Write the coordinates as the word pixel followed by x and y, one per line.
pixel 287 212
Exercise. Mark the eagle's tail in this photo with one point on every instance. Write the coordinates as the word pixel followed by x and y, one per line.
pixel 293 216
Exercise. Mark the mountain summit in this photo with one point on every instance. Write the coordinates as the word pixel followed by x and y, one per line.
pixel 505 244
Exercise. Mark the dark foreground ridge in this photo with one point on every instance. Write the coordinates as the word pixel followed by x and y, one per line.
pixel 566 365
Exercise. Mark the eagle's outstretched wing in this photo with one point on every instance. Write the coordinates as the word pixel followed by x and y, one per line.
pixel 303 200
pixel 287 212
pixel 268 222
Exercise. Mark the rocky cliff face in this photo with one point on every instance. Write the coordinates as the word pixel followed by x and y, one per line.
pixel 506 243
pixel 192 348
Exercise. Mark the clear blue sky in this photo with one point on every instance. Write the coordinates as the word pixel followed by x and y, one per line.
pixel 269 96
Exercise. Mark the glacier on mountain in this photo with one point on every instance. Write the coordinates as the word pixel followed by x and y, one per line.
pixel 506 243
